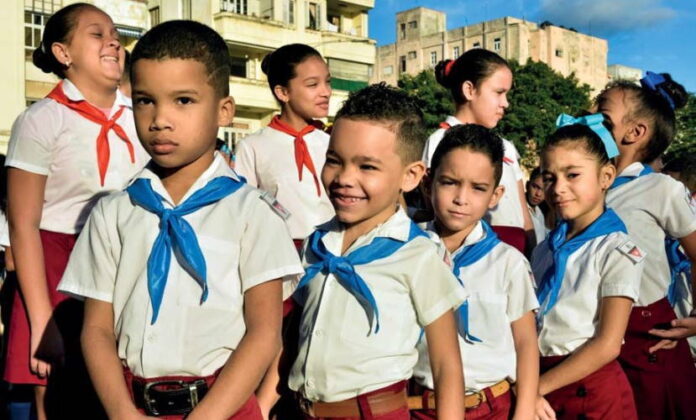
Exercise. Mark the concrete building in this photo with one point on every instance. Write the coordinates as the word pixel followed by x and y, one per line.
pixel 423 40
pixel 621 72
pixel 252 28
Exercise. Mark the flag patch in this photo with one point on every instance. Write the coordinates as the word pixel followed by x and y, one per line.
pixel 632 251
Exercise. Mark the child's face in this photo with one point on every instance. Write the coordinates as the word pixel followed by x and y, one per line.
pixel 613 106
pixel 488 102
pixel 535 191
pixel 177 112
pixel 94 50
pixel 463 189
pixel 308 93
pixel 364 175
pixel 575 183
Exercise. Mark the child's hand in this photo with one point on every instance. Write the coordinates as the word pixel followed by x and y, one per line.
pixel 544 410
pixel 681 328
pixel 46 348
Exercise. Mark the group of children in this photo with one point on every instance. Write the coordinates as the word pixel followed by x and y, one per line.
pixel 198 304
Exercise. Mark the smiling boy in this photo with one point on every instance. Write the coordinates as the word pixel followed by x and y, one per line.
pixel 183 297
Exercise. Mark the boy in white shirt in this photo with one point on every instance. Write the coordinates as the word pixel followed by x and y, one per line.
pixel 534 192
pixel 190 335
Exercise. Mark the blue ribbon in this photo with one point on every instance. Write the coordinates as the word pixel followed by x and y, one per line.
pixel 596 123
pixel 177 234
pixel 344 268
pixel 678 264
pixel 468 256
pixel 551 281
pixel 653 81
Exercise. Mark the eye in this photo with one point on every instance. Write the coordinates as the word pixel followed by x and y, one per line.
pixel 547 179
pixel 573 175
pixel 331 161
pixel 142 101
pixel 480 188
pixel 184 100
pixel 445 181
pixel 97 34
pixel 365 167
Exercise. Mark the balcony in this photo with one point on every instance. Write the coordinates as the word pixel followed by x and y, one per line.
pixel 254 31
pixel 252 94
pixel 352 4
pixel 347 47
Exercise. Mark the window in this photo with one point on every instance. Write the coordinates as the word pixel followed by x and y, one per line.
pixel 238 66
pixel 33 30
pixel 289 12
pixel 559 52
pixel 411 55
pixel 234 6
pixel 433 58
pixel 403 31
pixel 477 44
pixel 154 16
pixel 186 9
pixel 313 16
pixel 413 24
pixel 402 64
pixel 496 44
pixel 455 52
pixel 388 70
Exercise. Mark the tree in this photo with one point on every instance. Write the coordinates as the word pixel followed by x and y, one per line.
pixel 685 139
pixel 435 100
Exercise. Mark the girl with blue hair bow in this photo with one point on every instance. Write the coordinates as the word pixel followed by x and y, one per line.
pixel 658 211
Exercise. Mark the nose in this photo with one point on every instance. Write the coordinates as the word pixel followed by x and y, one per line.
pixel 326 91
pixel 160 120
pixel 461 197
pixel 505 104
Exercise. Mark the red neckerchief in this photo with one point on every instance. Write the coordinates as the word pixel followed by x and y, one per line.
pixel 302 157
pixel 445 125
pixel 92 113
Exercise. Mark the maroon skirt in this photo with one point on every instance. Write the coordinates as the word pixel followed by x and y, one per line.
pixel 512 236
pixel 664 382
pixel 604 394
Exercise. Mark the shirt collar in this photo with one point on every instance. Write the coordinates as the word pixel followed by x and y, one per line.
pixel 633 169
pixel 452 121
pixel 74 94
pixel 216 169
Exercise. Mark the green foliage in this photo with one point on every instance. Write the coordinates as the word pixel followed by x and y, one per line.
pixel 685 141
pixel 435 100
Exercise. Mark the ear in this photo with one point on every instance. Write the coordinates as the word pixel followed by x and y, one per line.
pixel 468 90
pixel 498 193
pixel 412 175
pixel 607 174
pixel 281 92
pixel 60 52
pixel 637 133
pixel 226 108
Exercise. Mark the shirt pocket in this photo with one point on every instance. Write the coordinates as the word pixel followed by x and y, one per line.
pixel 488 318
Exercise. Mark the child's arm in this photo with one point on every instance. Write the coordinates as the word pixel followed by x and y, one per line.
pixel 104 366
pixel 527 349
pixel 25 197
pixel 245 368
pixel 530 235
pixel 267 394
pixel 446 365
pixel 601 349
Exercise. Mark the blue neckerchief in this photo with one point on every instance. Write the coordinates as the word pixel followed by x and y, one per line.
pixel 678 264
pixel 551 281
pixel 596 123
pixel 344 268
pixel 468 256
pixel 620 180
pixel 177 234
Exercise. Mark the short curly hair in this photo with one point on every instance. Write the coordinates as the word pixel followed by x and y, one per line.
pixel 395 109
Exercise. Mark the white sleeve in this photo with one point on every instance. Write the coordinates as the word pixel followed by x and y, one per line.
pixel 620 272
pixel 33 134
pixel 678 211
pixel 520 287
pixel 245 162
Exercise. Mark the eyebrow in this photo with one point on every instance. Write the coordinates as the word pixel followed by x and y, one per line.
pixel 363 158
pixel 185 92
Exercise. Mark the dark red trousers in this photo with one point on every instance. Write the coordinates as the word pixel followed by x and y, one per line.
pixel 493 409
pixel 604 394
pixel 513 236
pixel 366 413
pixel 664 383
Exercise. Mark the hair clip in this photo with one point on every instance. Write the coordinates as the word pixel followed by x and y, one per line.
pixel 652 81
pixel 595 123
pixel 43 47
pixel 448 67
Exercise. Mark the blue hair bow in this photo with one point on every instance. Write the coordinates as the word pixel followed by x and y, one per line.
pixel 652 81
pixel 595 122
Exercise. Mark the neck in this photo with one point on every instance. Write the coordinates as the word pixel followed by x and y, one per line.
pixel 353 231
pixel 453 240
pixel 580 223
pixel 464 115
pixel 178 181
pixel 100 95
pixel 624 160
pixel 294 120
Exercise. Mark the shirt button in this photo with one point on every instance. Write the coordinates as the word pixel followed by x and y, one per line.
pixel 318 333
pixel 310 383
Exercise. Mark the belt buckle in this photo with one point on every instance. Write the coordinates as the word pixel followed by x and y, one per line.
pixel 149 402
pixel 479 396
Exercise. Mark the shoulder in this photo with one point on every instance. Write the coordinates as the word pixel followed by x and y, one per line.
pixel 257 136
pixel 437 135
pixel 617 245
pixel 510 257
pixel 42 114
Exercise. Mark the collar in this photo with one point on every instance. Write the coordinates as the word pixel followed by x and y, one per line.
pixel 216 169
pixel 397 227
pixel 633 169
pixel 477 234
pixel 74 94
pixel 452 121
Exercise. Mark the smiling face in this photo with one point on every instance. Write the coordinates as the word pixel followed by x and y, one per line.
pixel 177 112
pixel 486 104
pixel 93 50
pixel 463 189
pixel 364 175
pixel 575 183
pixel 307 94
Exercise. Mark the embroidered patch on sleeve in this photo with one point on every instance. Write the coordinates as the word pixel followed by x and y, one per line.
pixel 275 205
pixel 632 251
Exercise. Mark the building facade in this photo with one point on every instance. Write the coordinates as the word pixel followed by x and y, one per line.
pixel 423 40
pixel 251 28
pixel 621 72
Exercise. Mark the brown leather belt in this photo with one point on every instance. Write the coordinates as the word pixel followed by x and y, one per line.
pixel 427 400
pixel 381 403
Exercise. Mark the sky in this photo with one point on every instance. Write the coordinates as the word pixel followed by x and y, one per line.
pixel 657 35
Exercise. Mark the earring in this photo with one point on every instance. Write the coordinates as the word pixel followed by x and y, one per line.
pixel 67 63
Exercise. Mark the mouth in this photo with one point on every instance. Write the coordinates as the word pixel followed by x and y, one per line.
pixel 457 214
pixel 110 58
pixel 323 105
pixel 163 147
pixel 345 200
pixel 562 203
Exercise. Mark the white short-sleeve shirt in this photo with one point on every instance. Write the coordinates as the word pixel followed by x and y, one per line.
pixel 653 206
pixel 4 231
pixel 605 266
pixel 244 244
pixel 508 212
pixel 267 160
pixel 539 222
pixel 50 139
pixel 413 287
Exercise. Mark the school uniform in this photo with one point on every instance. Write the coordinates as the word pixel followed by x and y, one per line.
pixel 189 330
pixel 653 206
pixel 506 218
pixel 500 287
pixel 592 266
pixel 539 222
pixel 350 351
pixel 269 160
pixel 82 160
